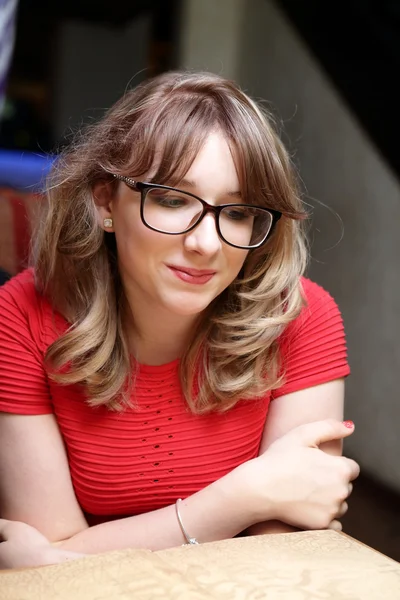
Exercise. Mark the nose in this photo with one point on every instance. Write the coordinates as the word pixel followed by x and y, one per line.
pixel 204 238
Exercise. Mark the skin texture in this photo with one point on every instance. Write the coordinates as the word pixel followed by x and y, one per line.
pixel 290 411
pixel 161 302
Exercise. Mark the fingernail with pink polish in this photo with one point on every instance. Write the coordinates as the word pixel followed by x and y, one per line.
pixel 348 424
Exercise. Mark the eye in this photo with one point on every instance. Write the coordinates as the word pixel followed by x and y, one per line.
pixel 171 202
pixel 235 213
pixel 167 200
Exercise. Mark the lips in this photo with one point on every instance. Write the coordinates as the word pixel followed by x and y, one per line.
pixel 194 276
pixel 192 272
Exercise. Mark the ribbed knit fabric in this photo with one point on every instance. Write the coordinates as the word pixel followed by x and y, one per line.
pixel 146 457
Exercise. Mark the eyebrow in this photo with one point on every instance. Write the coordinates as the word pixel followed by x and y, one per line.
pixel 191 184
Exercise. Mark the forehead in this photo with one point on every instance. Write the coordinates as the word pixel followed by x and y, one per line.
pixel 210 169
pixel 214 160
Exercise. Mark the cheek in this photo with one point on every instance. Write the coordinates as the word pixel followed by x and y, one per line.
pixel 128 226
pixel 132 242
pixel 235 261
pixel 138 245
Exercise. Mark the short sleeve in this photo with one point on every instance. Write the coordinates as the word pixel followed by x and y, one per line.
pixel 23 380
pixel 313 347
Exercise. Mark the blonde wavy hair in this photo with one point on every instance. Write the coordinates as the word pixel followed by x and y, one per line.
pixel 234 353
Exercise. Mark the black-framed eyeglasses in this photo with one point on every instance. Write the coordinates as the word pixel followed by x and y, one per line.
pixel 171 211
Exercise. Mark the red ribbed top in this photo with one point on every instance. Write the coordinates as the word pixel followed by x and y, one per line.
pixel 145 458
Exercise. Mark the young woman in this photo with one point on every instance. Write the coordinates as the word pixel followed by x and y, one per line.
pixel 166 345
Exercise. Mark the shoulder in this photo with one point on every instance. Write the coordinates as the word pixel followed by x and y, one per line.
pixel 26 312
pixel 314 293
pixel 318 302
pixel 313 346
pixel 20 288
pixel 26 331
pixel 319 315
pixel 19 296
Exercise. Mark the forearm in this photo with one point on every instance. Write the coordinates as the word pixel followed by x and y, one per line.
pixel 269 527
pixel 214 513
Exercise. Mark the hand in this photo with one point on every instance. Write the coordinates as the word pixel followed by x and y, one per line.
pixel 297 483
pixel 24 546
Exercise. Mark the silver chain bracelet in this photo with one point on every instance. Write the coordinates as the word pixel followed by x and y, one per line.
pixel 189 540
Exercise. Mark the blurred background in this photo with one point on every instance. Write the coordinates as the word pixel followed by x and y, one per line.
pixel 328 71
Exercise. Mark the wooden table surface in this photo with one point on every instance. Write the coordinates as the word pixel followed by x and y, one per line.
pixel 320 565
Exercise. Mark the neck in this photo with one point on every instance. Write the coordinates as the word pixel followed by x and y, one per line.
pixel 156 338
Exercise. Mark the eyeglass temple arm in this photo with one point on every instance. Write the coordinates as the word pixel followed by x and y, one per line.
pixel 127 180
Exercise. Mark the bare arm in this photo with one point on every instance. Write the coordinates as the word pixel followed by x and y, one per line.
pixel 35 482
pixel 36 488
pixel 289 411
pixel 36 495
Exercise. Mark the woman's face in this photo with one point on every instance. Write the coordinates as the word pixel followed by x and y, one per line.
pixel 154 267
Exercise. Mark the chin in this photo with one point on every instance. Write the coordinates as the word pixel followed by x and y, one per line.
pixel 186 307
pixel 188 311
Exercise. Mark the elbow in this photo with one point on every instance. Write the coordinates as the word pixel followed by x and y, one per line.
pixel 60 536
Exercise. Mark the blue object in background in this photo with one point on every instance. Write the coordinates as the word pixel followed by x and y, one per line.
pixel 23 170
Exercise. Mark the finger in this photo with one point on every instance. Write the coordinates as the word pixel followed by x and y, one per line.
pixel 335 525
pixel 314 434
pixel 4 527
pixel 354 469
pixel 350 489
pixel 344 507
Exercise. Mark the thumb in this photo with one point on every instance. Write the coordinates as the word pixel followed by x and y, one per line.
pixel 314 434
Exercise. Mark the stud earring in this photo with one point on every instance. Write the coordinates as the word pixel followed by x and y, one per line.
pixel 108 223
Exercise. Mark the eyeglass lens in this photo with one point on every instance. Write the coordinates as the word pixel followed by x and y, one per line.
pixel 173 211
